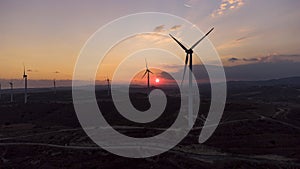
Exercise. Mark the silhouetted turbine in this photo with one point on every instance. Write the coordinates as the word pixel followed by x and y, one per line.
pixel 11 92
pixel 0 91
pixel 25 87
pixel 108 86
pixel 189 52
pixel 148 76
pixel 54 86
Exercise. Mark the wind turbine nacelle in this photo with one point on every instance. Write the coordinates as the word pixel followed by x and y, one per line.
pixel 190 51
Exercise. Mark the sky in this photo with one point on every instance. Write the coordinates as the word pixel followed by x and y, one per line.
pixel 47 36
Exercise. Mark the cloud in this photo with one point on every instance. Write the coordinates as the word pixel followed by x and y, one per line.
pixel 152 38
pixel 229 45
pixel 233 59
pixel 175 28
pixel 234 43
pixel 159 28
pixel 31 70
pixel 279 58
pixel 188 6
pixel 241 38
pixel 258 70
pixel 165 75
pixel 227 5
pixel 250 59
pixel 159 34
pixel 274 58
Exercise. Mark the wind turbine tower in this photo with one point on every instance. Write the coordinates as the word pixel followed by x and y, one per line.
pixel 54 86
pixel 189 52
pixel 11 92
pixel 25 87
pixel 0 91
pixel 108 86
pixel 148 76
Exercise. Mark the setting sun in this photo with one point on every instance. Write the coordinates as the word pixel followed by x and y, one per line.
pixel 157 80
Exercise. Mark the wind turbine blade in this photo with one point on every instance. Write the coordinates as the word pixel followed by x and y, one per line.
pixel 183 47
pixel 150 71
pixel 185 65
pixel 144 74
pixel 24 71
pixel 202 38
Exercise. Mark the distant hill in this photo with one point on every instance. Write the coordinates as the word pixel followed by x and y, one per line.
pixel 289 81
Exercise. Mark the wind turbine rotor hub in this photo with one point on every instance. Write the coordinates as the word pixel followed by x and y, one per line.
pixel 190 51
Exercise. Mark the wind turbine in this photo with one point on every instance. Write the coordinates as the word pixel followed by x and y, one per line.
pixel 54 82
pixel 108 85
pixel 189 52
pixel 25 89
pixel 0 91
pixel 11 91
pixel 148 75
pixel 54 86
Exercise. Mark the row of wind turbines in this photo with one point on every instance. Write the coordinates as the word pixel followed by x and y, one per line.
pixel 11 84
pixel 25 78
pixel 189 57
pixel 147 72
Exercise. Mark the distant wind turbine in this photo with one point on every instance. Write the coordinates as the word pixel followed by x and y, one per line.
pixel 148 75
pixel 54 86
pixel 189 52
pixel 11 91
pixel 108 85
pixel 54 82
pixel 0 91
pixel 25 87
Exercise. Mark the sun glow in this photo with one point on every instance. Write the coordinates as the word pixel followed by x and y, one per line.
pixel 157 80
